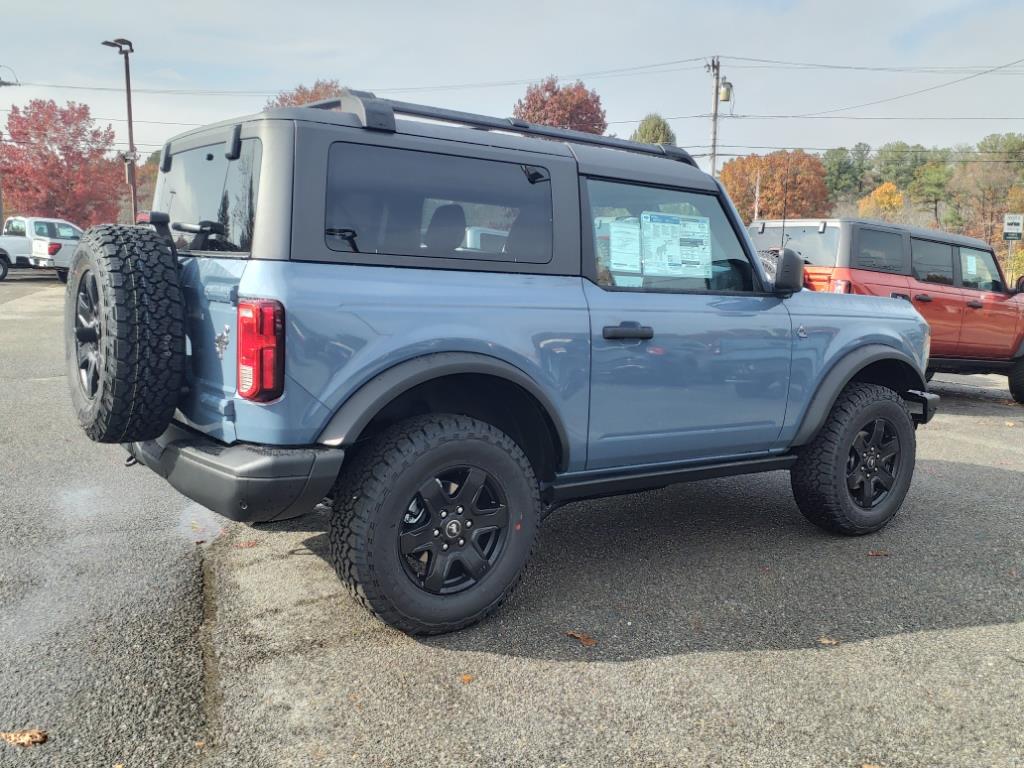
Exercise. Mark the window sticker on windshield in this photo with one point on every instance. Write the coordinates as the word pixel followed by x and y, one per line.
pixel 624 246
pixel 972 264
pixel 675 246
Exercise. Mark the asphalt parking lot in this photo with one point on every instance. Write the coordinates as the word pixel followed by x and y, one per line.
pixel 138 630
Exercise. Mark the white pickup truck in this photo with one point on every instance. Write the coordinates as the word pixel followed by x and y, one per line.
pixel 28 241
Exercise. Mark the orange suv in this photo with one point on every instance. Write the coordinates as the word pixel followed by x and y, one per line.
pixel 977 321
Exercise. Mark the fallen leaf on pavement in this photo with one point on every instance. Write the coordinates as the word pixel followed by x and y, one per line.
pixel 200 744
pixel 585 640
pixel 1011 423
pixel 246 544
pixel 823 640
pixel 878 553
pixel 871 765
pixel 30 738
pixel 467 679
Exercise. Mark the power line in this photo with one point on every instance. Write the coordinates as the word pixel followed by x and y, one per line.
pixel 913 93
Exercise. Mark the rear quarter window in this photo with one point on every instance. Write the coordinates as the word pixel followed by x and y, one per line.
pixel 403 202
pixel 879 251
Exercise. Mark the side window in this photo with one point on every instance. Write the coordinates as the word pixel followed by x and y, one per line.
pixel 408 203
pixel 67 232
pixel 15 227
pixel 932 262
pixel 43 229
pixel 664 240
pixel 879 251
pixel 978 270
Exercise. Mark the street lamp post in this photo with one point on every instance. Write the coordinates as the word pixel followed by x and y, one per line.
pixel 2 84
pixel 124 47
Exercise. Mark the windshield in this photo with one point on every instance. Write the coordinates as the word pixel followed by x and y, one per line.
pixel 816 248
pixel 202 185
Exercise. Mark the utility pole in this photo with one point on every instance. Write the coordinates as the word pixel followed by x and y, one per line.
pixel 715 69
pixel 131 157
pixel 2 84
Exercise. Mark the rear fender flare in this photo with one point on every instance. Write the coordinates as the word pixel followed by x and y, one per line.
pixel 366 402
pixel 841 374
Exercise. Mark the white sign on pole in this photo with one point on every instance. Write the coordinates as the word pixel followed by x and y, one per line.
pixel 1013 226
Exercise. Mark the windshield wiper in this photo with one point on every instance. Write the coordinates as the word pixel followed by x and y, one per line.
pixel 346 234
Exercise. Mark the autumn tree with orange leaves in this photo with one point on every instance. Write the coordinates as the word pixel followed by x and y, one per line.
pixel 55 161
pixel 883 202
pixel 563 106
pixel 301 94
pixel 791 184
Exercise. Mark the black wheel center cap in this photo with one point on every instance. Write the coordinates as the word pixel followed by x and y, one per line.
pixel 453 529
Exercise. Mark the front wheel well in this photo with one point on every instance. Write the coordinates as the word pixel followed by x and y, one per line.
pixel 489 398
pixel 891 373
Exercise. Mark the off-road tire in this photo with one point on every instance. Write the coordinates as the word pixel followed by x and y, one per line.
pixel 1016 379
pixel 141 347
pixel 819 478
pixel 3 267
pixel 373 493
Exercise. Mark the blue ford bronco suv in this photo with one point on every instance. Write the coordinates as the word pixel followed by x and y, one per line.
pixel 449 325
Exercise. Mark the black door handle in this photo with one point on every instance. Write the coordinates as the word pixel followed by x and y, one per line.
pixel 975 304
pixel 923 297
pixel 628 330
pixel 895 295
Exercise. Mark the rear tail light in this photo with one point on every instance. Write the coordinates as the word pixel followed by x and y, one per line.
pixel 840 286
pixel 52 248
pixel 260 349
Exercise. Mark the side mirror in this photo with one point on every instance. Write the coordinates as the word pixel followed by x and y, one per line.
pixel 789 273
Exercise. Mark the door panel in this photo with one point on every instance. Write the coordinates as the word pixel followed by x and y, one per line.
pixel 934 294
pixel 711 382
pixel 989 328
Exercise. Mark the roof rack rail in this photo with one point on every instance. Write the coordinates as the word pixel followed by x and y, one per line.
pixel 379 115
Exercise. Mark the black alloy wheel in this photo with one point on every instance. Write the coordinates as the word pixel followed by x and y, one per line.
pixel 873 464
pixel 454 530
pixel 88 335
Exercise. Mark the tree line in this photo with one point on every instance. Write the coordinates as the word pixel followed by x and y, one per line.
pixel 55 161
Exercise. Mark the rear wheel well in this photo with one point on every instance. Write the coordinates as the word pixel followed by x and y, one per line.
pixel 894 374
pixel 490 399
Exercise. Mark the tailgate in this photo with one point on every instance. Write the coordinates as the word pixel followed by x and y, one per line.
pixel 210 286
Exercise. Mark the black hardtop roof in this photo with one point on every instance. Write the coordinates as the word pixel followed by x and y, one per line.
pixel 596 155
pixel 920 232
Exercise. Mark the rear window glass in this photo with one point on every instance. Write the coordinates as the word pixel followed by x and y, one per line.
pixel 44 229
pixel 879 251
pixel 816 248
pixel 932 262
pixel 408 203
pixel 205 191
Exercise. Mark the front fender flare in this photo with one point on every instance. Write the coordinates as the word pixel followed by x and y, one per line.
pixel 840 375
pixel 367 401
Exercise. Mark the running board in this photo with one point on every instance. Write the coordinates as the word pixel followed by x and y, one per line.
pixel 587 485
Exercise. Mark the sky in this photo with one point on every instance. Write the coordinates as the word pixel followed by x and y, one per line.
pixel 479 56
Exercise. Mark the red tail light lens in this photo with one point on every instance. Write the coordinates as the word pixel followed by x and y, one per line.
pixel 840 286
pixel 52 248
pixel 260 349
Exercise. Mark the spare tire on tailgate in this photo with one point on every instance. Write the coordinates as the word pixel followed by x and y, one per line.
pixel 124 330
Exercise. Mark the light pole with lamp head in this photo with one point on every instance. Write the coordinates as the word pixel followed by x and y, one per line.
pixel 124 47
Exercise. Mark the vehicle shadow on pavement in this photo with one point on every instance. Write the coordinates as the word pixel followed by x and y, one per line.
pixel 731 565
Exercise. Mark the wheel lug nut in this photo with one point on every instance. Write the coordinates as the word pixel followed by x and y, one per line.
pixel 461 542
pixel 444 546
pixel 444 513
pixel 459 510
pixel 437 532
pixel 469 523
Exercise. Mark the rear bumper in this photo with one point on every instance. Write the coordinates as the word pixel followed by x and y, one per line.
pixel 244 482
pixel 928 402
